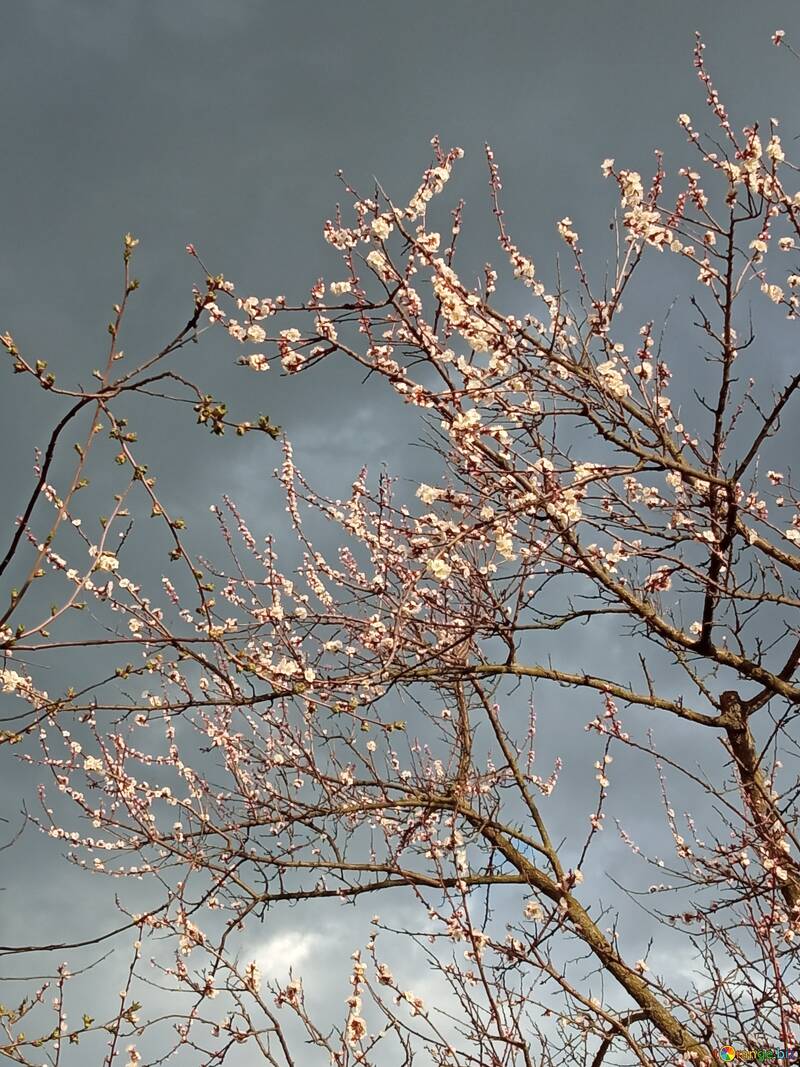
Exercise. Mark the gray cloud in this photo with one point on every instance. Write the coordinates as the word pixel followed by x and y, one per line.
pixel 224 125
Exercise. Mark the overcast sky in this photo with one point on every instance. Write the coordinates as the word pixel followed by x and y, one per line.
pixel 224 124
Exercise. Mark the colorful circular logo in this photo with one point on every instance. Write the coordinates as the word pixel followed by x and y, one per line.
pixel 727 1053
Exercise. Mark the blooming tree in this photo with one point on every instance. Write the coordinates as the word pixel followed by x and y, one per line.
pixel 363 722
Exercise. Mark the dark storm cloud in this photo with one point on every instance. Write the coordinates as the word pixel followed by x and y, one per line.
pixel 224 124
